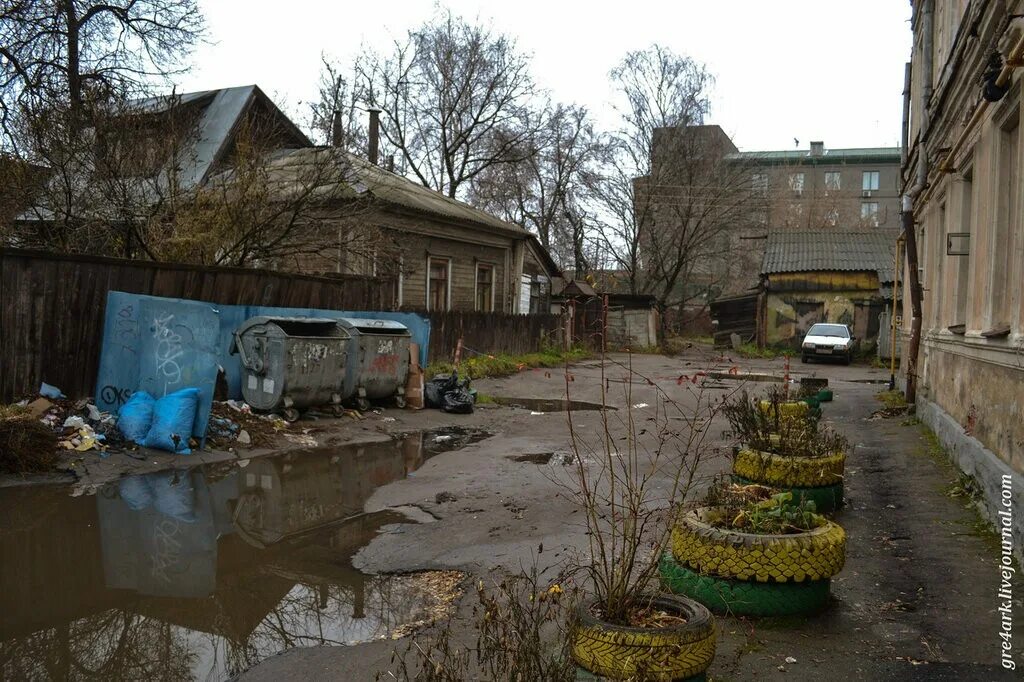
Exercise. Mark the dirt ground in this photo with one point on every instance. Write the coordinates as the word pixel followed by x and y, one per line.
pixel 916 600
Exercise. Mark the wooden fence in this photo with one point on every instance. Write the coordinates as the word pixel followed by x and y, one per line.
pixel 51 319
pixel 490 333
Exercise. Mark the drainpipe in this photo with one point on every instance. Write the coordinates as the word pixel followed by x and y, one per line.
pixel 906 116
pixel 907 217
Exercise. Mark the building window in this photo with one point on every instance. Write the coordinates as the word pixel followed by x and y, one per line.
pixel 485 288
pixel 796 183
pixel 759 183
pixel 438 283
pixel 1008 180
pixel 869 183
pixel 869 212
pixel 963 268
pixel 832 181
pixel 832 217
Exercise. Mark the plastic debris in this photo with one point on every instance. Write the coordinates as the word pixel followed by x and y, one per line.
pixel 639 406
pixel 244 438
pixel 52 392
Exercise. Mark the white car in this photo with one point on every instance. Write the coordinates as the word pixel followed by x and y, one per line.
pixel 828 341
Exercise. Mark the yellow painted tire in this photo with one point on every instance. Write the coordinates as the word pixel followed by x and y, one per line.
pixel 813 555
pixel 789 472
pixel 621 652
pixel 794 408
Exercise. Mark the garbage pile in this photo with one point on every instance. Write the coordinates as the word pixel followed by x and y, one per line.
pixel 449 393
pixel 34 429
pixel 233 421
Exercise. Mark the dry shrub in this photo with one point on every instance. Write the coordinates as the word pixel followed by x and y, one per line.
pixel 26 444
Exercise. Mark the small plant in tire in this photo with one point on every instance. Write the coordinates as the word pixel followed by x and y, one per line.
pixel 628 628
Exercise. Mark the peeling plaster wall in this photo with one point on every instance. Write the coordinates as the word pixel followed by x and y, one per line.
pixel 983 392
pixel 797 300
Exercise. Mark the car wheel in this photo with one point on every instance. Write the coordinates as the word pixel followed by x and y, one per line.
pixel 803 359
pixel 848 359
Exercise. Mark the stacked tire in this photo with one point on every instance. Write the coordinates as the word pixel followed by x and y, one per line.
pixel 748 574
pixel 818 479
pixel 619 652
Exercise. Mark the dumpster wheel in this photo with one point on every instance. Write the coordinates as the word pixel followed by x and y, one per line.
pixel 291 414
pixel 399 401
pixel 363 404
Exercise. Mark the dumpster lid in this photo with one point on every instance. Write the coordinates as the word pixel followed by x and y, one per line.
pixel 294 326
pixel 374 326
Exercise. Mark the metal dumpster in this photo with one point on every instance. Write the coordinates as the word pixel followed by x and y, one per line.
pixel 378 359
pixel 293 363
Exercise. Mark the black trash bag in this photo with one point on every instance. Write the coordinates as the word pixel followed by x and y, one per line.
pixel 434 390
pixel 458 401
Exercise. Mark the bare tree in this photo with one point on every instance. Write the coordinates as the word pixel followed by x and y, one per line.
pixel 547 190
pixel 336 115
pixel 669 194
pixel 75 53
pixel 454 98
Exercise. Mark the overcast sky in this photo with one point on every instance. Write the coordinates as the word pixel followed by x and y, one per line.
pixel 827 70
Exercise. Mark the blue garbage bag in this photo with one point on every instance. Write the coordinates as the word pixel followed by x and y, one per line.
pixel 173 418
pixel 136 492
pixel 135 417
pixel 175 495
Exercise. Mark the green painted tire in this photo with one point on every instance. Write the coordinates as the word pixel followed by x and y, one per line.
pixel 827 499
pixel 812 401
pixel 825 395
pixel 742 598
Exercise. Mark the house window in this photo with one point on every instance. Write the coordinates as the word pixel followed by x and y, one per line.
pixel 796 183
pixel 1002 269
pixel 485 288
pixel 759 183
pixel 832 217
pixel 832 181
pixel 869 212
pixel 963 266
pixel 869 182
pixel 438 283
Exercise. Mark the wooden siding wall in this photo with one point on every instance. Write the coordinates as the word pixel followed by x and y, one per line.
pixel 490 333
pixel 51 321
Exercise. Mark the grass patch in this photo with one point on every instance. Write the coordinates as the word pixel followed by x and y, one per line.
pixel 26 444
pixel 892 399
pixel 750 350
pixel 484 399
pixel 502 365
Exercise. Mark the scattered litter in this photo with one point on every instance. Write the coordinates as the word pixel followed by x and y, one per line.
pixel 244 438
pixel 534 414
pixel 388 420
pixel 441 439
pixel 301 439
pixel 790 659
pixel 74 423
pixel 239 406
pixel 444 496
pixel 52 392
pixel 639 406
pixel 38 407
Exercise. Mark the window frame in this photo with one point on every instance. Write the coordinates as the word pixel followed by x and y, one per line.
pixel 871 215
pixel 870 181
pixel 481 265
pixel 838 184
pixel 448 281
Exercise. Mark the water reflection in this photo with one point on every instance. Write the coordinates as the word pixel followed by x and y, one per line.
pixel 201 574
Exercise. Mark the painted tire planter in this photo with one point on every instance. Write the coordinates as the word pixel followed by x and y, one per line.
pixel 743 598
pixel 793 408
pixel 812 555
pixel 620 652
pixel 825 395
pixel 827 499
pixel 789 472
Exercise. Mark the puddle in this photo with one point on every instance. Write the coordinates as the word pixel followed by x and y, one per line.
pixel 202 574
pixel 549 404
pixel 535 458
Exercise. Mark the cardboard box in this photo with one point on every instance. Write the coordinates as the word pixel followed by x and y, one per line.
pixel 414 385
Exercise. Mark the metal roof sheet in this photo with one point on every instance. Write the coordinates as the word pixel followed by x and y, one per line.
pixel 828 250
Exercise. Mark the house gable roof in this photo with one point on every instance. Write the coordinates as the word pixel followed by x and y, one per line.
pixel 828 251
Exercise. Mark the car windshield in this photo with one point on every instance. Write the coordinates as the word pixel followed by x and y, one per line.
pixel 839 330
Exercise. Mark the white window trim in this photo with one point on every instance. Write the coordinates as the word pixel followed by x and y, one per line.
pixel 448 293
pixel 401 279
pixel 476 285
pixel 868 178
pixel 839 181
